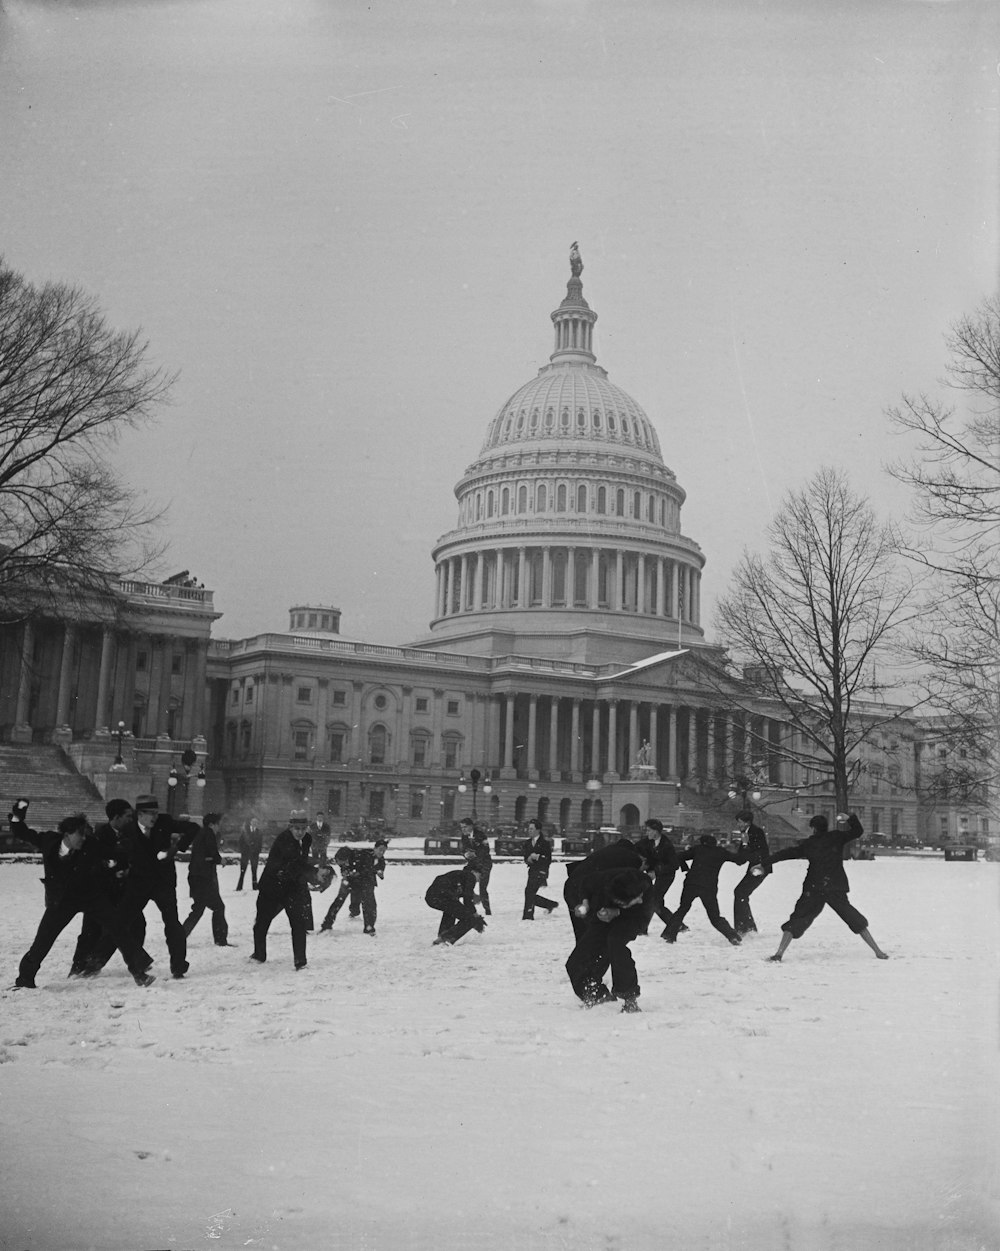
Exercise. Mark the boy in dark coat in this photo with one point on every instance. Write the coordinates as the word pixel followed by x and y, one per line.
pixel 758 855
pixel 623 854
pixel 705 861
pixel 476 841
pixel 663 859
pixel 203 880
pixel 536 851
pixel 452 895
pixel 345 858
pixel 251 843
pixel 76 880
pixel 825 882
pixel 284 887
pixel 610 912
pixel 147 846
pixel 369 866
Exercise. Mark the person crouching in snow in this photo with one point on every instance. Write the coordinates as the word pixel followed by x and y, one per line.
pixel 825 883
pixel 452 894
pixel 611 910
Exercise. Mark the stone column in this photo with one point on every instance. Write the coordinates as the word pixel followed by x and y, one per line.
pixel 553 737
pixel 449 587
pixel 21 731
pixel 633 733
pixel 65 675
pixel 654 750
pixel 532 735
pixel 641 582
pixel 463 587
pixel 523 589
pixel 508 741
pixel 595 739
pixel 619 581
pixel 661 583
pixel 477 585
pixel 104 679
pixel 692 742
pixel 594 589
pixel 574 740
pixel 612 761
pixel 437 716
pixel 166 670
pixel 570 577
pixel 672 756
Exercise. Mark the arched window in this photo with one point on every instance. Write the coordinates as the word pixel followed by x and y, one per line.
pixel 540 496
pixel 520 422
pixel 637 506
pixel 581 499
pixel 479 507
pixel 534 419
pixel 663 513
pixel 602 500
pixel 507 425
pixel 611 422
pixel 505 501
pixel 597 419
pixel 522 499
pixel 620 502
pixel 561 498
pixel 378 744
pixel 581 421
pixel 489 503
pixel 625 430
pixel 564 420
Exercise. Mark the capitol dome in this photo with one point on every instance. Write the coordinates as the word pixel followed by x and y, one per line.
pixel 568 540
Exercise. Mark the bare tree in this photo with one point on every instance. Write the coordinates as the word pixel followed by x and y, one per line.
pixel 69 384
pixel 814 620
pixel 956 481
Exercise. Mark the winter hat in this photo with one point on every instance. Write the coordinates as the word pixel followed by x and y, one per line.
pixel 116 808
pixel 819 823
pixel 147 803
pixel 297 817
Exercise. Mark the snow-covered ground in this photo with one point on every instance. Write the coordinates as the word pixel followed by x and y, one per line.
pixel 397 1096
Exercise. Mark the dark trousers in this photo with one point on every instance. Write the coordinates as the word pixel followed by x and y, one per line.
pixel 602 945
pixel 484 887
pixel 457 918
pixel 297 911
pixel 251 858
pixel 133 904
pixel 662 882
pixel 205 894
pixel 532 899
pixel 811 903
pixel 54 920
pixel 709 896
pixel 743 921
pixel 96 922
pixel 335 907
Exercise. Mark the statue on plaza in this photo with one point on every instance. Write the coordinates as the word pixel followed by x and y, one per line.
pixel 575 260
pixel 642 765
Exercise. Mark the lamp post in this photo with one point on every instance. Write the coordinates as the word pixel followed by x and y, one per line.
pixel 474 779
pixel 119 765
pixel 189 759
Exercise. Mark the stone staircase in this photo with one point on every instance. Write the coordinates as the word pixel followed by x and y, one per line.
pixel 43 775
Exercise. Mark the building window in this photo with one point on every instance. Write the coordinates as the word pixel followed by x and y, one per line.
pixel 540 499
pixel 895 824
pixel 421 703
pixel 141 661
pixel 877 818
pixel 380 702
pixel 245 736
pixel 304 695
pixel 339 699
pixel 602 500
pixel 378 742
pixel 561 498
pixel 416 804
pixel 337 747
pixel 620 502
pixel 249 695
pixel 235 698
pixel 522 499
pixel 505 501
pixel 581 499
pixel 420 751
pixel 943 825
pixel 450 754
pixel 376 803
pixel 301 741
pixel 335 801
pixel 176 662
pixel 452 707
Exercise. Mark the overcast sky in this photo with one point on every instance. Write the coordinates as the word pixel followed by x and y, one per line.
pixel 346 224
